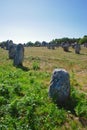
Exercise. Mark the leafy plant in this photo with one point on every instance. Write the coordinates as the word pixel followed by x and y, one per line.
pixel 81 109
pixel 4 91
pixel 3 101
pixel 18 89
pixel 36 65
pixel 12 109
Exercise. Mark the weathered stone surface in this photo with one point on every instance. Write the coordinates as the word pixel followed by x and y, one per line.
pixel 77 48
pixel 48 46
pixel 51 46
pixel 8 44
pixel 85 45
pixel 59 89
pixel 19 56
pixel 12 51
pixel 73 45
pixel 65 47
pixel 2 45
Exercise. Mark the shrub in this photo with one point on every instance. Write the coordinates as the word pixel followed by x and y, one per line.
pixel 12 109
pixel 4 91
pixel 3 101
pixel 36 66
pixel 81 109
pixel 18 89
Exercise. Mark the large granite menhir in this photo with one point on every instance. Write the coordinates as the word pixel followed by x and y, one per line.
pixel 19 55
pixel 59 89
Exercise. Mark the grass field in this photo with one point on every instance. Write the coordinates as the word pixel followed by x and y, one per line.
pixel 48 60
pixel 24 101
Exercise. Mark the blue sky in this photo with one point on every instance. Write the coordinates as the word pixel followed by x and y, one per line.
pixel 42 20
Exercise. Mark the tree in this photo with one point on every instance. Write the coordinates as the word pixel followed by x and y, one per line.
pixel 44 43
pixel 37 43
pixel 29 43
pixel 83 40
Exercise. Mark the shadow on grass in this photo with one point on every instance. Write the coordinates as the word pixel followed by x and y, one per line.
pixel 83 121
pixel 68 51
pixel 83 54
pixel 23 67
pixel 69 105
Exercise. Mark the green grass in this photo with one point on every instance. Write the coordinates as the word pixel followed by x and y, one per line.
pixel 24 100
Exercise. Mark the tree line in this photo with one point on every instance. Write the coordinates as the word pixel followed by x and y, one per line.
pixel 56 42
pixel 59 41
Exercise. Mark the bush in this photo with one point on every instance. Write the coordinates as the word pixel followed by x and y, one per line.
pixel 81 109
pixel 4 91
pixel 17 89
pixel 3 101
pixel 36 66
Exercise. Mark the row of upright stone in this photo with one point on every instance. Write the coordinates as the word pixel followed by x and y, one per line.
pixel 65 46
pixel 16 52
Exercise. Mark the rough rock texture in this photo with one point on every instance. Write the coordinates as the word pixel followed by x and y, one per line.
pixel 8 44
pixel 12 51
pixel 77 48
pixel 85 45
pixel 19 55
pixel 51 46
pixel 59 89
pixel 65 47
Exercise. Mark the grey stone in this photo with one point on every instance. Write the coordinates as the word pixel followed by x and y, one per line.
pixel 48 46
pixel 8 44
pixel 77 48
pixel 85 45
pixel 19 55
pixel 59 89
pixel 51 46
pixel 73 45
pixel 2 45
pixel 65 47
pixel 12 51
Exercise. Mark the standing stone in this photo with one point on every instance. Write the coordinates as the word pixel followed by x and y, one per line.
pixel 2 45
pixel 85 44
pixel 77 48
pixel 53 46
pixel 8 44
pixel 65 47
pixel 59 89
pixel 19 55
pixel 12 51
pixel 73 45
pixel 48 46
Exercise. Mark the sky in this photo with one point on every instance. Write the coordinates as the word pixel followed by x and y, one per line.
pixel 42 20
